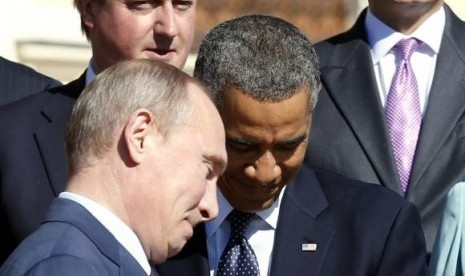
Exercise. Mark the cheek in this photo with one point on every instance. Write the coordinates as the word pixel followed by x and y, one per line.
pixel 293 163
pixel 191 186
pixel 238 161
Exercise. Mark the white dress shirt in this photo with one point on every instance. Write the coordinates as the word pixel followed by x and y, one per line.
pixel 382 39
pixel 260 234
pixel 122 233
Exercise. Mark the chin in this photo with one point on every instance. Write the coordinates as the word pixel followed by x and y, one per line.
pixel 176 249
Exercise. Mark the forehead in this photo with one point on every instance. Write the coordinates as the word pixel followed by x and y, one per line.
pixel 246 117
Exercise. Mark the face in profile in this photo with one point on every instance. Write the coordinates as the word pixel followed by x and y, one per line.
pixel 190 160
pixel 126 29
pixel 266 143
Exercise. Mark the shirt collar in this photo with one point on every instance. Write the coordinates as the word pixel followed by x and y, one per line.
pixel 90 73
pixel 269 215
pixel 382 38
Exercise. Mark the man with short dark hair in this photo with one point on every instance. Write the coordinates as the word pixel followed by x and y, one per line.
pixel 278 216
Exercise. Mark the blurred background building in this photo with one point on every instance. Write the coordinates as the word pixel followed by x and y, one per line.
pixel 45 34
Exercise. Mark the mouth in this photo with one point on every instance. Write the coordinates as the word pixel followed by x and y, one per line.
pixel 161 54
pixel 163 51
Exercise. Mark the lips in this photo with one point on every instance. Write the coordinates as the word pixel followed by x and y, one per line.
pixel 162 52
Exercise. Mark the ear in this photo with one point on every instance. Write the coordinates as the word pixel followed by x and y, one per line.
pixel 138 131
pixel 87 15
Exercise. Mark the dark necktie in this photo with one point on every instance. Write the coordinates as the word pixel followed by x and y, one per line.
pixel 238 257
pixel 403 113
pixel 153 271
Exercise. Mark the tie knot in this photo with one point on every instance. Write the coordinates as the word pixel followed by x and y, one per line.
pixel 239 222
pixel 406 47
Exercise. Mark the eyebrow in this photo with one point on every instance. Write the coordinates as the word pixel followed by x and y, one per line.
pixel 295 140
pixel 249 142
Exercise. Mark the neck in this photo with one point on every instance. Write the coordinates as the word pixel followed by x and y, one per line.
pixel 405 18
pixel 98 184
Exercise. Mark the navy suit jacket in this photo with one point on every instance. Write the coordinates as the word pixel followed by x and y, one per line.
pixel 71 242
pixel 349 134
pixel 32 159
pixel 18 81
pixel 359 229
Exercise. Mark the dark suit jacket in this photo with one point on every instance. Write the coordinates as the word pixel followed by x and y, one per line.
pixel 349 133
pixel 359 229
pixel 71 242
pixel 18 81
pixel 32 159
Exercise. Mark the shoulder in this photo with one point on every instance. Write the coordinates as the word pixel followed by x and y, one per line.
pixel 21 69
pixel 454 207
pixel 350 200
pixel 28 109
pixel 347 41
pixel 57 248
pixel 337 187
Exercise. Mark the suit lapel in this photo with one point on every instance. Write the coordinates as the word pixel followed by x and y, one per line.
pixel 445 103
pixel 50 135
pixel 67 211
pixel 356 96
pixel 301 222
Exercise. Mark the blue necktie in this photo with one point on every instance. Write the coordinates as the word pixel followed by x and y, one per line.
pixel 238 257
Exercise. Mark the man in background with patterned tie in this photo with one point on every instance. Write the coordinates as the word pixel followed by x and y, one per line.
pixel 278 216
pixel 392 106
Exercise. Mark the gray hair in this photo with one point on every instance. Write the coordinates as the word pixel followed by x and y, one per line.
pixel 102 109
pixel 265 57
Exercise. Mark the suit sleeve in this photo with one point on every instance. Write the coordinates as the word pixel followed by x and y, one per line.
pixel 447 258
pixel 62 265
pixel 405 250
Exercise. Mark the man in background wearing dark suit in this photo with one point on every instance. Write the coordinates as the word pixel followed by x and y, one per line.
pixel 296 220
pixel 18 81
pixel 130 198
pixel 351 133
pixel 32 158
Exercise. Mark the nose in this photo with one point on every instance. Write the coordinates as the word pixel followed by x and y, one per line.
pixel 166 21
pixel 265 169
pixel 208 205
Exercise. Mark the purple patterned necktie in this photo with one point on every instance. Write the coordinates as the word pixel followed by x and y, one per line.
pixel 403 113
pixel 238 257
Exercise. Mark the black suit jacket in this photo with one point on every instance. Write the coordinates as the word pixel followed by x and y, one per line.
pixel 359 229
pixel 71 242
pixel 18 81
pixel 32 159
pixel 349 133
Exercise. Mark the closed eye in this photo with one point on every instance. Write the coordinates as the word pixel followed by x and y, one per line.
pixel 241 145
pixel 183 5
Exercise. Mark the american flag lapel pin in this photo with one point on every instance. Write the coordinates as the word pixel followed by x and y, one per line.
pixel 309 247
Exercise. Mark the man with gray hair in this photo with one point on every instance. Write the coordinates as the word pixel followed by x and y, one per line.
pixel 145 146
pixel 32 158
pixel 278 216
